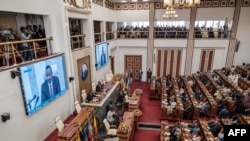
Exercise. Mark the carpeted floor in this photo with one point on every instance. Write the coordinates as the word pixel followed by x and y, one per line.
pixel 151 115
pixel 151 109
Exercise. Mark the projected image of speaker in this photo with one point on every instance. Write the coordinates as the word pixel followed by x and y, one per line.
pixel 101 53
pixel 42 82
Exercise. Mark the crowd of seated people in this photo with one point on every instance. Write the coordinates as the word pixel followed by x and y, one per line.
pixel 132 32
pixel 170 32
pixel 209 32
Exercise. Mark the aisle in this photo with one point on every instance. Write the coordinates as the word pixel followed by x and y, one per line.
pixel 150 118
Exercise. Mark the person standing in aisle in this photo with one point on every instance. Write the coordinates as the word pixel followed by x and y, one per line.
pixel 149 75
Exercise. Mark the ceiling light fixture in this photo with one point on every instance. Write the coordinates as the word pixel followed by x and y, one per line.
pixel 171 5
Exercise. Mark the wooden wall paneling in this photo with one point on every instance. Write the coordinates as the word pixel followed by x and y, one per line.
pixel 172 62
pixel 202 60
pixel 178 63
pixel 137 67
pixel 165 62
pixel 210 60
pixel 158 63
pixel 84 74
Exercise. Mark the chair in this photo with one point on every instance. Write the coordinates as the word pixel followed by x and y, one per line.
pixel 108 78
pixel 111 74
pixel 111 130
pixel 78 107
pixel 84 95
pixel 93 86
pixel 59 123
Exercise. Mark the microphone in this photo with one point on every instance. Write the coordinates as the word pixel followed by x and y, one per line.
pixel 36 101
pixel 33 98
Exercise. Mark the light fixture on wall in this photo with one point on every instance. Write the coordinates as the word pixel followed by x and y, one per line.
pixel 171 5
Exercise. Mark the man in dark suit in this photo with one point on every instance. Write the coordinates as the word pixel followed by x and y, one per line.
pixel 103 57
pixel 98 87
pixel 149 75
pixel 50 86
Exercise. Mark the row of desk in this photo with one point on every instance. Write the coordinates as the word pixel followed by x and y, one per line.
pixel 221 90
pixel 71 130
pixel 194 101
pixel 208 96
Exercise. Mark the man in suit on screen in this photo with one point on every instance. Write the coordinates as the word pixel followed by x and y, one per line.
pixel 103 57
pixel 50 86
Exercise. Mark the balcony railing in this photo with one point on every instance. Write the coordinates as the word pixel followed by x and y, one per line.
pixel 132 34
pixel 170 34
pixel 211 34
pixel 99 37
pixel 11 53
pixel 77 41
pixel 110 35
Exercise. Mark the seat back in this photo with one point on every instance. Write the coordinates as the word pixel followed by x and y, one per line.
pixel 111 74
pixel 108 78
pixel 106 123
pixel 59 123
pixel 78 107
pixel 93 86
pixel 84 95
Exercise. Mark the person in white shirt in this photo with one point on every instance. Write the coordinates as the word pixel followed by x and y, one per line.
pixel 111 116
pixel 25 47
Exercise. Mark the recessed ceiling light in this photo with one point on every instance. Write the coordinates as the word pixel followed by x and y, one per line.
pixel 145 0
pixel 123 1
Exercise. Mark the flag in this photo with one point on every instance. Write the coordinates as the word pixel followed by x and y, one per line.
pixel 78 137
pixel 90 130
pixel 84 136
pixel 95 130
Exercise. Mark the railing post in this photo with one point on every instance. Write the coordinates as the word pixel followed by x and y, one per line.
pixel 34 47
pixel 13 52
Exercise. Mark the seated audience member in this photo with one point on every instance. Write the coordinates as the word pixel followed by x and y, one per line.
pixel 204 108
pixel 90 95
pixel 188 110
pixel 248 75
pixel 224 113
pixel 194 128
pixel 198 94
pixel 98 87
pixel 175 133
pixel 109 106
pixel 234 120
pixel 121 96
pixel 215 127
pixel 221 135
pixel 111 116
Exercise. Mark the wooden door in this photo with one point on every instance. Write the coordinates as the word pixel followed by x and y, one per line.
pixel 169 62
pixel 112 64
pixel 206 61
pixel 133 62
pixel 84 74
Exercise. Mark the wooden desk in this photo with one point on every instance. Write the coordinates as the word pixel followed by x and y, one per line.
pixel 244 119
pixel 128 119
pixel 243 83
pixel 185 134
pixel 194 101
pixel 227 82
pixel 205 132
pixel 165 132
pixel 134 103
pixel 70 131
pixel 208 96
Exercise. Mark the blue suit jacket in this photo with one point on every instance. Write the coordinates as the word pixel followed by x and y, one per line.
pixel 45 94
